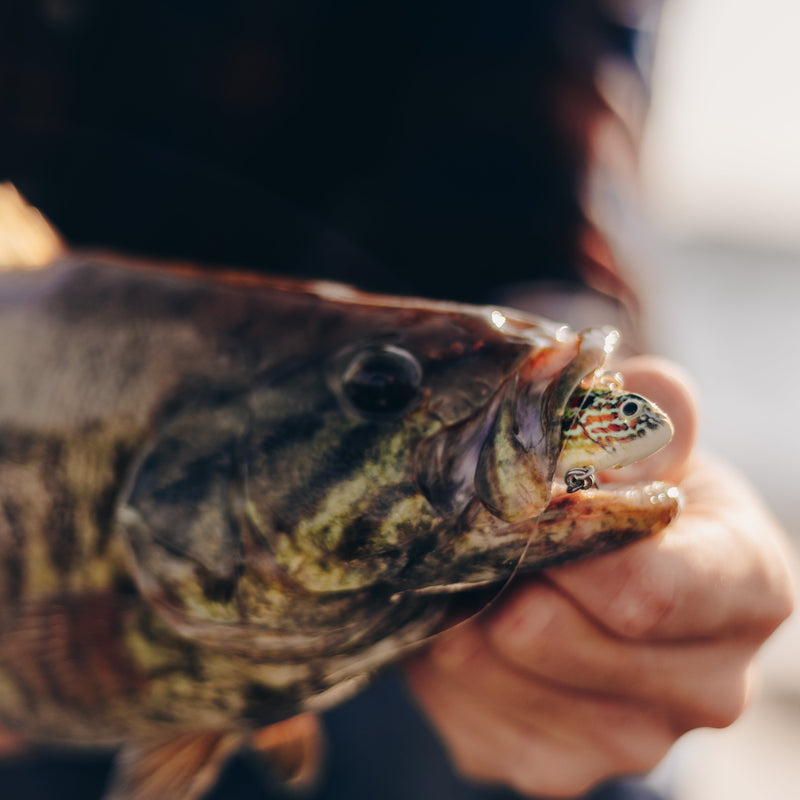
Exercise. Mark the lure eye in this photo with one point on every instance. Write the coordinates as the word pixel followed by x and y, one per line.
pixel 382 382
pixel 630 408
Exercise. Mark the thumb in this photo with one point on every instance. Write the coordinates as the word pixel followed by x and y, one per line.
pixel 668 386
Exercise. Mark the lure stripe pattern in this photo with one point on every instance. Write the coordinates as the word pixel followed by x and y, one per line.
pixel 598 415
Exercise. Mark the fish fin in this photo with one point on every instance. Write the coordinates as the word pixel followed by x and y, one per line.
pixel 183 767
pixel 27 239
pixel 291 751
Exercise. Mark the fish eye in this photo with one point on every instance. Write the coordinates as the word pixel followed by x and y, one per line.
pixel 382 382
pixel 630 408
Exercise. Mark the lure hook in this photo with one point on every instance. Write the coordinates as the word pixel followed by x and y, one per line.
pixel 579 478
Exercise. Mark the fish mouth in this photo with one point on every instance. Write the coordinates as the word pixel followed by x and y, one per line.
pixel 572 526
pixel 506 454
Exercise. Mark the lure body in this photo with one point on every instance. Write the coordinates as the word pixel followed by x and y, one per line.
pixel 225 500
pixel 608 428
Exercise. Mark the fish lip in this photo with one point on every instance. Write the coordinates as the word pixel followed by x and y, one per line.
pixel 641 491
pixel 488 550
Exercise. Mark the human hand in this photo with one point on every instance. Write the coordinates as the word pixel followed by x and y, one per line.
pixel 594 669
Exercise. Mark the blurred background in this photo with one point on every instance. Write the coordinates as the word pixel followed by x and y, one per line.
pixel 718 260
pixel 721 181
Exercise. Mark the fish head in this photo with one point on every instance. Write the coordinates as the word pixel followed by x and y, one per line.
pixel 387 446
pixel 377 450
pixel 368 452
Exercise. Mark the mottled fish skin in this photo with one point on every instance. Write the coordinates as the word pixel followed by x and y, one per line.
pixel 202 529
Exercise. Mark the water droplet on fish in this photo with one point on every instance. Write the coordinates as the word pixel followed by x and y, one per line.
pixel 612 340
pixel 498 318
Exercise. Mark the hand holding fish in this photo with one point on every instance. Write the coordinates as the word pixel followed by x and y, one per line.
pixel 230 499
pixel 597 667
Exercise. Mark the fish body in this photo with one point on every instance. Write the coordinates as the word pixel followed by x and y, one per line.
pixel 226 500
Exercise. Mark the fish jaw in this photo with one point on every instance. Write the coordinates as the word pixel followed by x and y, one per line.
pixel 573 526
pixel 596 521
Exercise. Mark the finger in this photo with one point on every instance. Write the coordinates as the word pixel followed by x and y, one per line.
pixel 468 659
pixel 669 387
pixel 559 744
pixel 540 632
pixel 720 569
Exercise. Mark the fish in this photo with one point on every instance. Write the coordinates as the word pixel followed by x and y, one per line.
pixel 228 500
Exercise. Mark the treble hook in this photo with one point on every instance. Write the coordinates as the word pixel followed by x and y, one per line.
pixel 579 478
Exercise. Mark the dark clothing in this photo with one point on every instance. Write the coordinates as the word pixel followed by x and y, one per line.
pixel 431 147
